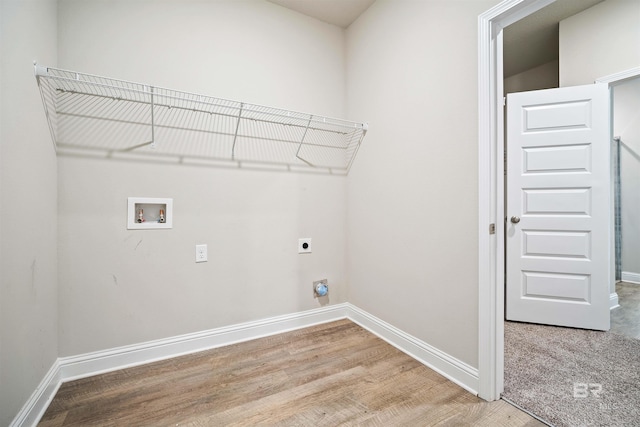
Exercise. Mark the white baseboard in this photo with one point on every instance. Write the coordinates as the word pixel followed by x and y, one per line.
pixel 40 399
pixel 89 364
pixel 613 301
pixel 630 277
pixel 455 370
pixel 99 362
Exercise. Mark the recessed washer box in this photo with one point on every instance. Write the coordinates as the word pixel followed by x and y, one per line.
pixel 149 213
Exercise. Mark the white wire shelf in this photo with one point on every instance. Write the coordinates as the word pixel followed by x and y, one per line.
pixel 109 116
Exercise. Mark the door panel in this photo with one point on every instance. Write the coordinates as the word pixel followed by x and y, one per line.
pixel 558 189
pixel 558 159
pixel 557 116
pixel 556 286
pixel 560 244
pixel 556 201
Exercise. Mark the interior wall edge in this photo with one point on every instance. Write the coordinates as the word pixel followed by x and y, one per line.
pixel 28 215
pixel 34 408
pixel 443 363
pixel 85 365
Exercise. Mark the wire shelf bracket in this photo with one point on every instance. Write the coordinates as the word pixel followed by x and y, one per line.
pixel 105 115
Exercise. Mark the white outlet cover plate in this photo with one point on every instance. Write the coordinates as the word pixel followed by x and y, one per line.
pixel 201 253
pixel 301 242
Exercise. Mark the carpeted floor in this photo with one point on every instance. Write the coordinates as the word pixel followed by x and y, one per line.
pixel 573 377
pixel 625 320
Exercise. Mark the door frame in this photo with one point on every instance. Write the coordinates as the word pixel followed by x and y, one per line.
pixel 491 187
pixel 613 80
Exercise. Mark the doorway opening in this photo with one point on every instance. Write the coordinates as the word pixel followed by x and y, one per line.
pixel 491 194
pixel 626 176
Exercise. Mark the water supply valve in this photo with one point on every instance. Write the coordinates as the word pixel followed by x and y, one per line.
pixel 320 288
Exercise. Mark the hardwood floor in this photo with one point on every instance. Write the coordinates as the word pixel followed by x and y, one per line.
pixel 625 320
pixel 327 375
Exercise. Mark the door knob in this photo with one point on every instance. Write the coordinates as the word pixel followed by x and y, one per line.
pixel 515 219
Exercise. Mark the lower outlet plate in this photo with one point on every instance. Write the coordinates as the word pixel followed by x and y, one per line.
pixel 201 253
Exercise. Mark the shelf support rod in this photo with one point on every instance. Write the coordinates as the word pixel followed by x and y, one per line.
pixel 302 141
pixel 41 71
pixel 235 136
pixel 153 124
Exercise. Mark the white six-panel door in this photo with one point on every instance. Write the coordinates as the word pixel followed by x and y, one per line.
pixel 558 207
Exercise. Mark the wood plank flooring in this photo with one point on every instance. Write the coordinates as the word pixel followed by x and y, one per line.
pixel 327 375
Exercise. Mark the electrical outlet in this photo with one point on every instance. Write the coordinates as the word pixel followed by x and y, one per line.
pixel 304 245
pixel 201 253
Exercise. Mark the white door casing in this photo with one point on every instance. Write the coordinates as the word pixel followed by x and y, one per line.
pixel 491 295
pixel 558 207
pixel 491 210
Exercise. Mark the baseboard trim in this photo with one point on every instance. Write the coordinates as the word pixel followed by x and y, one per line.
pixel 630 277
pixel 453 369
pixel 85 365
pixel 99 362
pixel 614 301
pixel 40 399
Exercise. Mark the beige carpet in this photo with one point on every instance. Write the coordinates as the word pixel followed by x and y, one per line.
pixel 573 377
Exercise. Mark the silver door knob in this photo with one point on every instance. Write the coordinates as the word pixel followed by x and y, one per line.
pixel 515 219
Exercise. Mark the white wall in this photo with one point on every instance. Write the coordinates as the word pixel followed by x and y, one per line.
pixel 413 200
pixel 28 214
pixel 626 124
pixel 121 287
pixel 600 41
pixel 544 76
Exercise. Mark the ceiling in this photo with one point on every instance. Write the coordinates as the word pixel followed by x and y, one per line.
pixel 528 43
pixel 337 12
